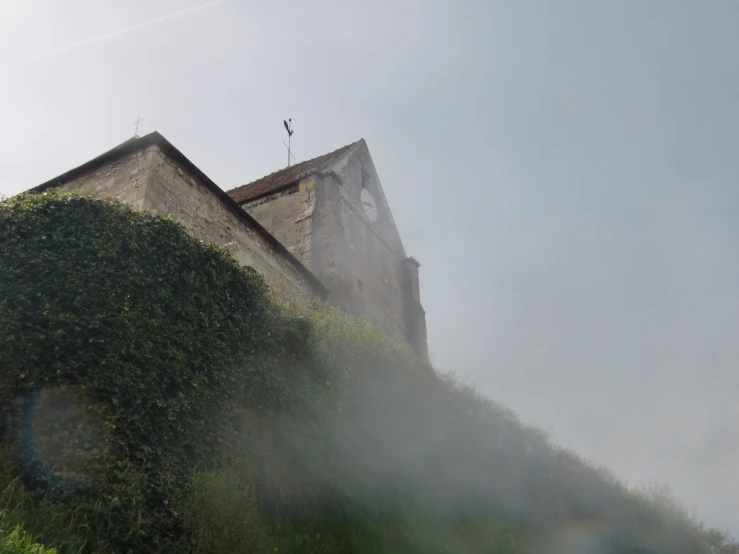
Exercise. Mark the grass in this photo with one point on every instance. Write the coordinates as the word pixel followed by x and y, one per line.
pixel 14 540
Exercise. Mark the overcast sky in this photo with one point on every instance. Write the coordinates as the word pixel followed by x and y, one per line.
pixel 566 173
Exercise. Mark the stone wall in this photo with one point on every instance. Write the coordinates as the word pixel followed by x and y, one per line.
pixel 288 216
pixel 361 262
pixel 415 315
pixel 174 191
pixel 361 271
pixel 315 243
pixel 123 180
pixel 152 181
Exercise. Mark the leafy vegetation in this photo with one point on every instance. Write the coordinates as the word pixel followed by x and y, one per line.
pixel 156 397
pixel 14 540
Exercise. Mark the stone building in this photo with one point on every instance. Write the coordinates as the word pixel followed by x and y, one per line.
pixel 320 230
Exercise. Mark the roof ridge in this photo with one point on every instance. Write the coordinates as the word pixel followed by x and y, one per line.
pixel 286 176
pixel 301 163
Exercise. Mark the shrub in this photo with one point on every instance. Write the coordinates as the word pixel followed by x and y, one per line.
pixel 222 516
pixel 122 342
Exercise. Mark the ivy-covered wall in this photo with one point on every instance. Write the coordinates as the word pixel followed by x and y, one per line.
pixel 174 191
pixel 146 176
pixel 121 337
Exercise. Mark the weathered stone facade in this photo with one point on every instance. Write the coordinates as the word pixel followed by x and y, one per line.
pixel 174 191
pixel 415 315
pixel 361 261
pixel 306 232
pixel 157 178
pixel 123 180
pixel 288 215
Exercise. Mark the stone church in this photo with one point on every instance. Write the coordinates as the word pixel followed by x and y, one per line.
pixel 319 231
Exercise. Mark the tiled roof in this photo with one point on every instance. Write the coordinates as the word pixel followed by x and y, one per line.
pixel 285 177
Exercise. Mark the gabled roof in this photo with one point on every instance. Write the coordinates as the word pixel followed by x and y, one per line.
pixel 285 177
pixel 136 144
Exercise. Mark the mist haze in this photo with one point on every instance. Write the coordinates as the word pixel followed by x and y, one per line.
pixel 566 175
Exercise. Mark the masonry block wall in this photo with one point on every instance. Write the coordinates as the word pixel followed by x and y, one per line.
pixel 360 270
pixel 359 259
pixel 123 180
pixel 150 180
pixel 172 190
pixel 415 315
pixel 288 215
pixel 312 236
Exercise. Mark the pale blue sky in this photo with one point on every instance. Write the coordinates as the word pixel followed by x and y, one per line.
pixel 566 173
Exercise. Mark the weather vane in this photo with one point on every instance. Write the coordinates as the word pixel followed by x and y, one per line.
pixel 139 119
pixel 289 128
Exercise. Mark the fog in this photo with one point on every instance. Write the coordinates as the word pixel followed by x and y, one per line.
pixel 564 172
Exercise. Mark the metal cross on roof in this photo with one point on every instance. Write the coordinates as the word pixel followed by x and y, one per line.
pixel 139 119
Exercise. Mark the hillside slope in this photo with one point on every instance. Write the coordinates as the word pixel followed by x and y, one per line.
pixel 155 397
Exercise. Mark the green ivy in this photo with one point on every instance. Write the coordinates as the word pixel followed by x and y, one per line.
pixel 123 341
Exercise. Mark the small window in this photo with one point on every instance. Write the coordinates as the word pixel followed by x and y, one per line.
pixel 360 285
